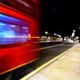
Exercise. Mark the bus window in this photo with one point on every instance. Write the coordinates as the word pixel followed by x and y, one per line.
pixel 13 30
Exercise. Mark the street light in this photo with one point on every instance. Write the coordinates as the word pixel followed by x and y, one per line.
pixel 46 32
pixel 73 33
pixel 54 34
pixel 47 36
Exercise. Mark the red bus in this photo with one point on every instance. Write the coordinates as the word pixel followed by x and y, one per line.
pixel 18 31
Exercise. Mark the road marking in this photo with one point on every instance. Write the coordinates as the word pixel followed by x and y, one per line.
pixel 43 66
pixel 46 47
pixel 18 66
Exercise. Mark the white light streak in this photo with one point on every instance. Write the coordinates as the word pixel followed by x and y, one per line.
pixel 24 3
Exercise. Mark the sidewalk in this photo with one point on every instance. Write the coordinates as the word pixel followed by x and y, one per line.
pixel 66 67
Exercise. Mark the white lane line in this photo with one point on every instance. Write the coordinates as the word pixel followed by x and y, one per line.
pixel 44 65
pixel 46 47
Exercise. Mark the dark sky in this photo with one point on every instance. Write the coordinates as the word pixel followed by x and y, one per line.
pixel 60 16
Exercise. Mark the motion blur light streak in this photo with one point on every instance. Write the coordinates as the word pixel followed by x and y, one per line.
pixel 14 13
pixel 16 44
pixel 2 24
pixel 9 33
pixel 22 2
pixel 12 20
pixel 5 31
pixel 2 17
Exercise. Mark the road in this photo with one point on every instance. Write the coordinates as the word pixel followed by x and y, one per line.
pixel 49 52
pixel 46 53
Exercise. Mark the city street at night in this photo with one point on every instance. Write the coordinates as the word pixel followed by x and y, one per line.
pixel 46 54
pixel 63 67
pixel 39 40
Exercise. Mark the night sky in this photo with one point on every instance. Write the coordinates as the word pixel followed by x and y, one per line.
pixel 60 16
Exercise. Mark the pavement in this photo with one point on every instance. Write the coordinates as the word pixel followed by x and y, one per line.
pixel 66 66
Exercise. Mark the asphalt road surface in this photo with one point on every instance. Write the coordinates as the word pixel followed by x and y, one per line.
pixel 46 51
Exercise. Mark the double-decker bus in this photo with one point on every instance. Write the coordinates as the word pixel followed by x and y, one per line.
pixel 19 21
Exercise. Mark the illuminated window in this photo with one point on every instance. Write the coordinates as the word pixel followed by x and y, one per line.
pixel 13 30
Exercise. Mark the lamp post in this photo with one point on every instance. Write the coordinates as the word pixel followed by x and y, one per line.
pixel 73 34
pixel 47 35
